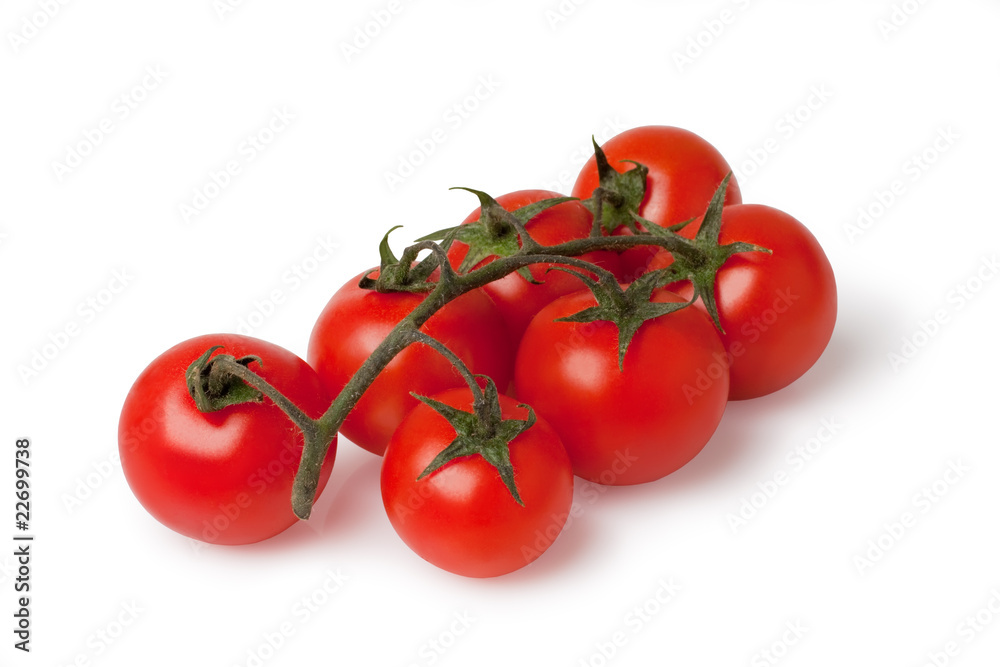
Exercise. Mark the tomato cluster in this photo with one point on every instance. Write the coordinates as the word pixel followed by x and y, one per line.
pixel 545 337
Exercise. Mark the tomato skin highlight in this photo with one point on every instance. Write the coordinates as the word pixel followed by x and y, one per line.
pixel 516 298
pixel 633 425
pixel 461 517
pixel 778 310
pixel 223 477
pixel 355 321
pixel 684 172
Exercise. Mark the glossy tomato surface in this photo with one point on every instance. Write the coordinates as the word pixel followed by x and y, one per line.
pixel 517 299
pixel 633 425
pixel 461 517
pixel 223 477
pixel 355 321
pixel 778 310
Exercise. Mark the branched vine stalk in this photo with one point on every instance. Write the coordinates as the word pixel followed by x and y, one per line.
pixel 450 286
pixel 414 274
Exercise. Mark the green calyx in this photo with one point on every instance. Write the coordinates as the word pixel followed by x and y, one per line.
pixel 483 432
pixel 213 387
pixel 404 274
pixel 616 201
pixel 497 233
pixel 626 308
pixel 700 259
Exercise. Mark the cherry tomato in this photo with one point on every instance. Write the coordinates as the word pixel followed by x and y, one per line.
pixel 629 425
pixel 223 477
pixel 778 310
pixel 461 517
pixel 517 299
pixel 684 172
pixel 356 321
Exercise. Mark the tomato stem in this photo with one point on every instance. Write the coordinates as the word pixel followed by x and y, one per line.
pixel 456 361
pixel 233 367
pixel 407 274
pixel 450 286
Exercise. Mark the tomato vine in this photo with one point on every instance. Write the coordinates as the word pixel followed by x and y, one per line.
pixel 614 203
pixel 410 274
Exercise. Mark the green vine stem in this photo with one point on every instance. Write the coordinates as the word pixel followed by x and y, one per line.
pixel 450 286
pixel 456 361
pixel 319 433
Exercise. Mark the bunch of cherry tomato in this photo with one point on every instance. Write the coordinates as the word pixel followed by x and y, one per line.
pixel 615 367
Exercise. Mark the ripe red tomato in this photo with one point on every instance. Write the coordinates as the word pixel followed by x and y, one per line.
pixel 684 172
pixel 223 477
pixel 778 310
pixel 517 299
pixel 632 425
pixel 355 321
pixel 461 517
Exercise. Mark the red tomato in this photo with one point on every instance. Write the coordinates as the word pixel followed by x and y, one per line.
pixel 223 477
pixel 684 172
pixel 356 321
pixel 516 298
pixel 777 310
pixel 461 517
pixel 632 425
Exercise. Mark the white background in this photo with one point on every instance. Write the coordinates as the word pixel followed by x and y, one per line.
pixel 818 556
